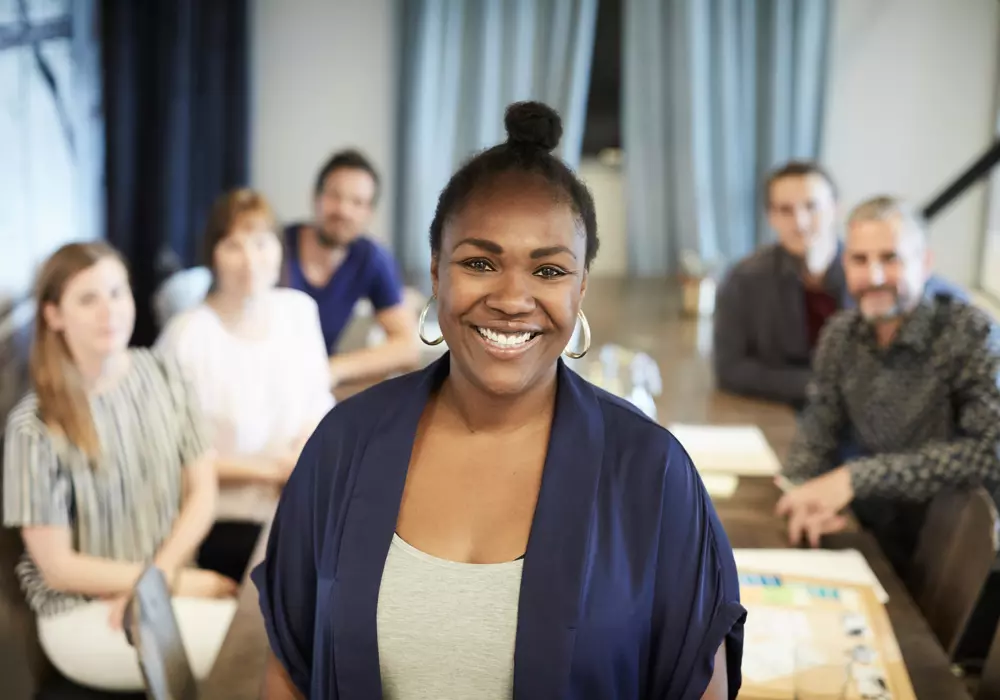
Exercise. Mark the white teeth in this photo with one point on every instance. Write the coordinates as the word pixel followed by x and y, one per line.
pixel 507 340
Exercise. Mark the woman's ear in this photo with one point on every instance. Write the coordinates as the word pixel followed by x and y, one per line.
pixel 583 284
pixel 53 317
pixel 434 274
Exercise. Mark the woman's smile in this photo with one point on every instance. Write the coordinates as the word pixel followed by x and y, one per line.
pixel 506 344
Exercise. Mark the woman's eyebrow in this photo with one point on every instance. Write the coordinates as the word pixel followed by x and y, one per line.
pixel 551 250
pixel 488 246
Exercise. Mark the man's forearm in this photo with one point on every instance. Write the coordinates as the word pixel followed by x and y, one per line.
pixel 815 447
pixel 922 473
pixel 397 355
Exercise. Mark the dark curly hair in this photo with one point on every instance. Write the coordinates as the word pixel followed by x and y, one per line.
pixel 533 130
pixel 350 159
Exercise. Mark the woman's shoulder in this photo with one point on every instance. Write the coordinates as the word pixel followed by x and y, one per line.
pixel 193 322
pixel 631 428
pixel 377 407
pixel 291 310
pixel 381 412
pixel 25 417
pixel 344 435
pixel 156 367
pixel 643 452
pixel 286 299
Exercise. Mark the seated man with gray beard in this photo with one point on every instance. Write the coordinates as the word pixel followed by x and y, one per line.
pixel 908 380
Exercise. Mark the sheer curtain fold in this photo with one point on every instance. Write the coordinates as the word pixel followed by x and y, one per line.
pixel 716 92
pixel 462 63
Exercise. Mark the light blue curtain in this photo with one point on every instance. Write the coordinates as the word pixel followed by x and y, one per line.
pixel 462 63
pixel 716 92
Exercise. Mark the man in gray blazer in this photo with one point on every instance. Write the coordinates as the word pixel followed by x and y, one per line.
pixel 771 305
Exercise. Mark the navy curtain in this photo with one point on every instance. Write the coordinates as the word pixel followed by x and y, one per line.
pixel 176 91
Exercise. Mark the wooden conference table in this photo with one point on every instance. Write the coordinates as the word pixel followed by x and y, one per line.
pixel 747 517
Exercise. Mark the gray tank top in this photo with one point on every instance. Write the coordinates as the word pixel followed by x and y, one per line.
pixel 446 629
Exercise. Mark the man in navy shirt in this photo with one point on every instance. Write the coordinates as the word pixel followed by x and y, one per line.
pixel 334 262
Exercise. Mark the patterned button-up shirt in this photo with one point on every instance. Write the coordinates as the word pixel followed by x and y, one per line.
pixel 924 411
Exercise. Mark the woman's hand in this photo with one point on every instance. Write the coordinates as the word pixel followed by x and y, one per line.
pixel 202 583
pixel 188 583
pixel 116 613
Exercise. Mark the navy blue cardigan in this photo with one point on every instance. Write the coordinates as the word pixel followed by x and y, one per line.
pixel 629 585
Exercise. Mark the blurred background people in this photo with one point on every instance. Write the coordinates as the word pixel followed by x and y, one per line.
pixel 910 379
pixel 106 469
pixel 254 354
pixel 772 306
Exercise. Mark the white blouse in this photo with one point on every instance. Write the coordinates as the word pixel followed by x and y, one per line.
pixel 258 396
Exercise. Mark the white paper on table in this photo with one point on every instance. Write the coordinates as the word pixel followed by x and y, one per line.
pixel 838 565
pixel 734 449
pixel 720 485
pixel 772 638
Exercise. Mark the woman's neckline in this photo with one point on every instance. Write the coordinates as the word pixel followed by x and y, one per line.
pixel 263 308
pixel 111 384
pixel 450 563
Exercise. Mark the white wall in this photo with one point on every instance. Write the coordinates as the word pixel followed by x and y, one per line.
pixel 606 186
pixel 324 74
pixel 989 274
pixel 911 104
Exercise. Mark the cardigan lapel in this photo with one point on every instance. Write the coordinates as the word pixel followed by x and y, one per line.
pixel 373 508
pixel 558 545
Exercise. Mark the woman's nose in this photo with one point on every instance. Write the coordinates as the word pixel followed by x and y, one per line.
pixel 104 310
pixel 512 295
pixel 245 258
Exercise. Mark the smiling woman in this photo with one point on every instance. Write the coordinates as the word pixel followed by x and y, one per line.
pixel 494 526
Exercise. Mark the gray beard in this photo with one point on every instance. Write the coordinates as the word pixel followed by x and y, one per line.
pixel 892 314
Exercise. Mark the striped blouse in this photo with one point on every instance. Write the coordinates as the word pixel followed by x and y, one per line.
pixel 124 509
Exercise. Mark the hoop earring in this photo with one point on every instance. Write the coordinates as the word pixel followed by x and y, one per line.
pixel 586 338
pixel 420 325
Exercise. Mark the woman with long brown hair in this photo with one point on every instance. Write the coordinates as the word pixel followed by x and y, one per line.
pixel 106 469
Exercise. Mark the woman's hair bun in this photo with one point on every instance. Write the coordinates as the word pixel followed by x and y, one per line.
pixel 533 124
